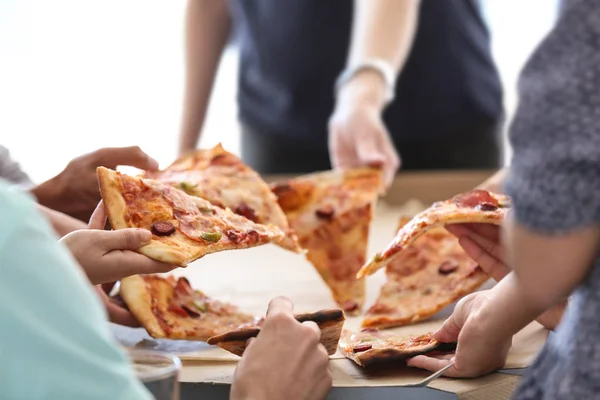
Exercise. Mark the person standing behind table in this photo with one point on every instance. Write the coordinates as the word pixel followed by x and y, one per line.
pixel 447 109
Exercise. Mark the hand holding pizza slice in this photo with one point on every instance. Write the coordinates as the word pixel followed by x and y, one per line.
pixel 477 206
pixel 184 228
pixel 431 273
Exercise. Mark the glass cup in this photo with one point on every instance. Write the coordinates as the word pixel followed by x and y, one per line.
pixel 158 371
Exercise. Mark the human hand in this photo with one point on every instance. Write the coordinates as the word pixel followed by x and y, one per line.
pixel 479 350
pixel 115 308
pixel 107 256
pixel 285 361
pixel 482 243
pixel 75 190
pixel 357 134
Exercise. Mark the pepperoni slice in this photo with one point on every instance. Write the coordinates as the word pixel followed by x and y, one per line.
pixel 350 305
pixel 233 237
pixel 192 313
pixel 177 310
pixel 281 188
pixel 476 198
pixel 488 207
pixel 448 267
pixel 163 228
pixel 246 211
pixel 183 286
pixel 325 212
pixel 362 347
pixel 253 236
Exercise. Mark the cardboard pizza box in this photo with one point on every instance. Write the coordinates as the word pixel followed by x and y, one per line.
pixel 249 278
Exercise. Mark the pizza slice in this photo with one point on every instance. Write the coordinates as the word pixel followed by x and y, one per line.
pixel 331 213
pixel 223 179
pixel 429 274
pixel 330 323
pixel 477 206
pixel 170 308
pixel 184 227
pixel 370 346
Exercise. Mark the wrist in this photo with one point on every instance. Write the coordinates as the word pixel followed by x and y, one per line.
pixel 366 88
pixel 508 309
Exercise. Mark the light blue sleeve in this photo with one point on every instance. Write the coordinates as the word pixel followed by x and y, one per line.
pixel 54 339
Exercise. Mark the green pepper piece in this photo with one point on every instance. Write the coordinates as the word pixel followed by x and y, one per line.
pixel 199 305
pixel 186 186
pixel 212 237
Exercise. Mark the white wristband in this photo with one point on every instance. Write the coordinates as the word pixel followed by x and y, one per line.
pixel 380 66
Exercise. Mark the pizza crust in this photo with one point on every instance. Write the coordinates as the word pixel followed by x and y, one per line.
pixel 136 295
pixel 330 322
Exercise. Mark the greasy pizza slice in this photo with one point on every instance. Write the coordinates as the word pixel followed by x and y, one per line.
pixel 331 213
pixel 184 227
pixel 370 346
pixel 330 323
pixel 477 206
pixel 170 308
pixel 429 274
pixel 223 179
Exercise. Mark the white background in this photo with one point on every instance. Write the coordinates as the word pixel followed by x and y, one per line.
pixel 76 75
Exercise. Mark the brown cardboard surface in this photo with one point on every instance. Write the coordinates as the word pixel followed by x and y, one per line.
pixel 250 278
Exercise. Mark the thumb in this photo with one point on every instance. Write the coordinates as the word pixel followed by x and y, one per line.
pixel 448 332
pixel 98 218
pixel 125 239
pixel 369 152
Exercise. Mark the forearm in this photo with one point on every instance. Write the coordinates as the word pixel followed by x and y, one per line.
pixel 550 267
pixel 62 223
pixel 381 29
pixel 206 33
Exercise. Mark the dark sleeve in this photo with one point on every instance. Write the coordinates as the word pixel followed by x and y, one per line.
pixel 555 170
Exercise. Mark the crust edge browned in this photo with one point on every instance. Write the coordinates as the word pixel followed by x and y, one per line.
pixel 134 292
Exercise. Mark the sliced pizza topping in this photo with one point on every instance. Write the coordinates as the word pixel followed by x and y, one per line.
pixel 163 228
pixel 184 227
pixel 477 206
pixel 169 307
pixel 225 181
pixel 331 213
pixel 431 273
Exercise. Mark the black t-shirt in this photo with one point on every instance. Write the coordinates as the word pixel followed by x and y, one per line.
pixel 291 52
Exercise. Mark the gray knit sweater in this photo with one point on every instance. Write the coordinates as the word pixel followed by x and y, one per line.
pixel 555 185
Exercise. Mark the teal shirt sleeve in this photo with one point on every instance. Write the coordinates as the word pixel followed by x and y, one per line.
pixel 54 337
